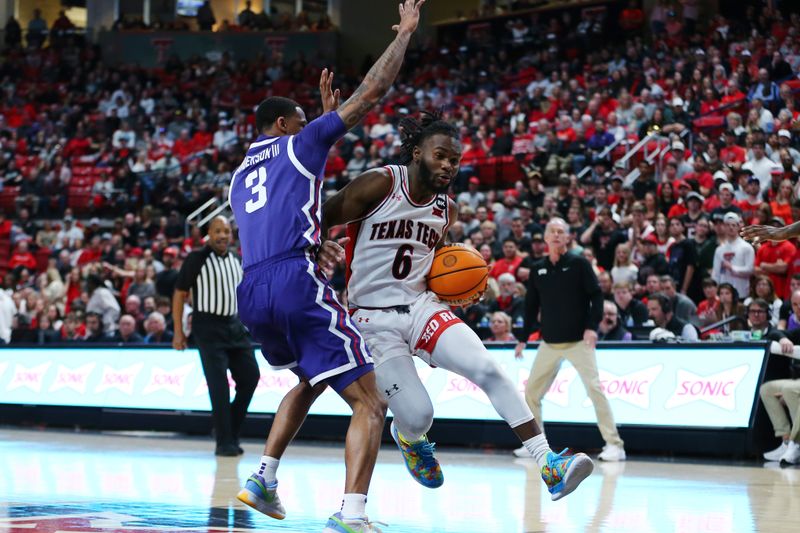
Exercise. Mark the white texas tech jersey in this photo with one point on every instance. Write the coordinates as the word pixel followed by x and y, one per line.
pixel 391 249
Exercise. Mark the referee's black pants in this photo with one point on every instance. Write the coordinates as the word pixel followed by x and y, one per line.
pixel 224 343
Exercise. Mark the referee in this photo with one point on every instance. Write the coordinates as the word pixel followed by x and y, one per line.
pixel 564 288
pixel 212 275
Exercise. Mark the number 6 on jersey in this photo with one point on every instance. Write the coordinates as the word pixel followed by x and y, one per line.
pixel 258 190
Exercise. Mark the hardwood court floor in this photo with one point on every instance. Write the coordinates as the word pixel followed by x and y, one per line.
pixel 58 481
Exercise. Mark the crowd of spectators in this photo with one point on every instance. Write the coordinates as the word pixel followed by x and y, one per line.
pixel 101 166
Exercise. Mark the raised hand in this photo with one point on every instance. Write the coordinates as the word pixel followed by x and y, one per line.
pixel 409 16
pixel 330 98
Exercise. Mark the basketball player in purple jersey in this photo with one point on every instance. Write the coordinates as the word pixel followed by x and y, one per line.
pixel 285 300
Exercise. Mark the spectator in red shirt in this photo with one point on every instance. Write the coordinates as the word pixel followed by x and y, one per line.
pixel 334 166
pixel 510 261
pixel 92 253
pixel 183 146
pixel 732 153
pixel 773 259
pixel 701 176
pixel 707 309
pixel 202 137
pixel 22 257
pixel 5 224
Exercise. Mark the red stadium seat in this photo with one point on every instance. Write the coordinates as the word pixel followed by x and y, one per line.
pixel 510 170
pixel 8 199
pixel 487 172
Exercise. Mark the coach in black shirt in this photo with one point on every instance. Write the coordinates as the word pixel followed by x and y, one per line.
pixel 563 291
pixel 212 274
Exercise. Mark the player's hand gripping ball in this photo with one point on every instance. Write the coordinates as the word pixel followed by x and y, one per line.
pixel 458 275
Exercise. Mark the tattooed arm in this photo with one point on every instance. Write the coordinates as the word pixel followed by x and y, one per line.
pixel 380 77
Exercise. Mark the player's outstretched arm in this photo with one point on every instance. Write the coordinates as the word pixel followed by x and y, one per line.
pixel 757 234
pixel 356 199
pixel 380 77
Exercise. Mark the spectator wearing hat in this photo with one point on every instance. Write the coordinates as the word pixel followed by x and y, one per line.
pixel 472 196
pixel 69 234
pixel 773 259
pixel 537 251
pixel 694 212
pixel 661 313
pixel 761 166
pixel 358 163
pixel 734 258
pixel 534 192
pixel 508 300
pixel 675 117
pixel 677 153
pixel 653 261
pixel 726 201
pixel 562 195
pixel 224 139
pixel 785 143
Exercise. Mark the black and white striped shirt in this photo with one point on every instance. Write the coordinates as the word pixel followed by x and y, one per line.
pixel 212 279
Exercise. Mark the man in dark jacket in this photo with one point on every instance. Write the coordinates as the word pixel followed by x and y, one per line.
pixel 610 329
pixel 126 333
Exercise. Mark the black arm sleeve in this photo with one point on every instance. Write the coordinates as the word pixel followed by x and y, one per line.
pixel 190 270
pixel 532 305
pixel 592 288
pixel 775 335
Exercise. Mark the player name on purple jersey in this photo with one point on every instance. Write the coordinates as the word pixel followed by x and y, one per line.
pixel 271 150
pixel 275 194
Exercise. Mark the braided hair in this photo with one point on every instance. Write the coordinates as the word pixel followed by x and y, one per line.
pixel 413 132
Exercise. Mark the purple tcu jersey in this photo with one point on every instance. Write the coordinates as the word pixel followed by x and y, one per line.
pixel 275 193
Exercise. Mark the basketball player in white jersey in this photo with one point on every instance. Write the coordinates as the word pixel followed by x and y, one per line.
pixel 397 216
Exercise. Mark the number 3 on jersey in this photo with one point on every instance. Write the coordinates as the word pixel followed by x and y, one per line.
pixel 257 189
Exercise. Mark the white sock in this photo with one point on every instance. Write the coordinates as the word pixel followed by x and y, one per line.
pixel 538 448
pixel 354 506
pixel 269 465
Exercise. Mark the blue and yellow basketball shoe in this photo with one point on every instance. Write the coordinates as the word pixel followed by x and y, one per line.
pixel 420 461
pixel 262 496
pixel 563 473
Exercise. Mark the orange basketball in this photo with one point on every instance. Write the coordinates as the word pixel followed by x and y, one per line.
pixel 458 274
